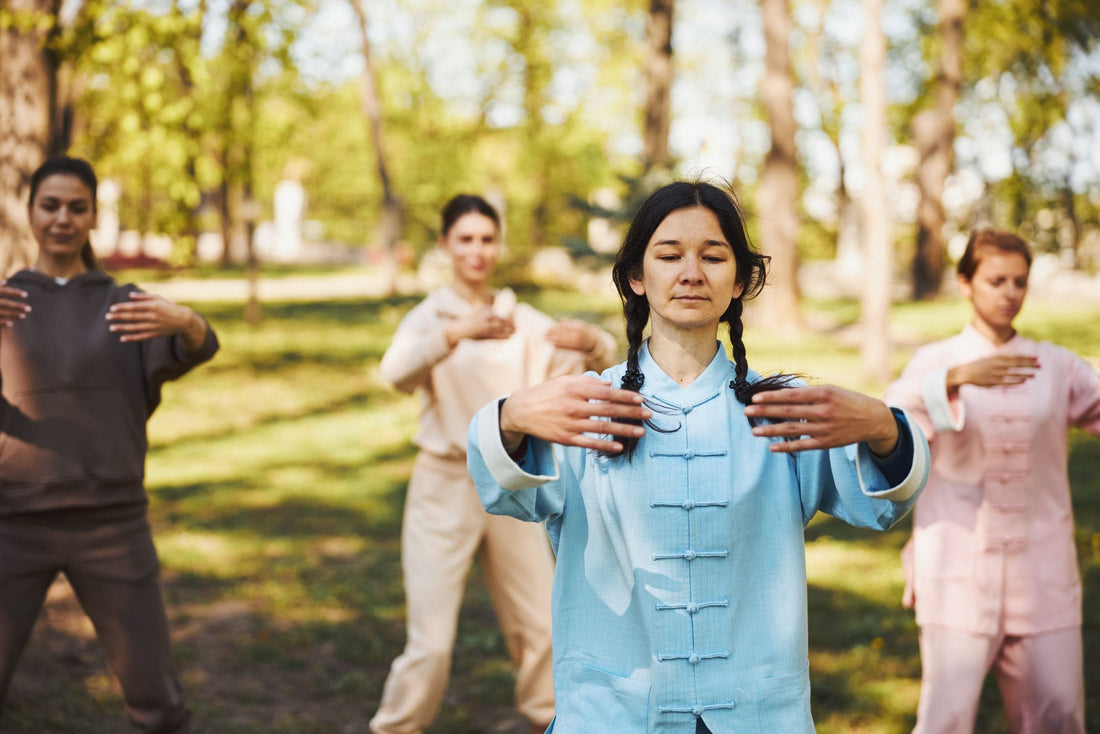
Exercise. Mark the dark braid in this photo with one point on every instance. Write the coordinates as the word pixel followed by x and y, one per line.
pixel 636 311
pixel 742 388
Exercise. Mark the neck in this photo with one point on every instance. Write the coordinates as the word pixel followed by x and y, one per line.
pixel 683 355
pixel 60 267
pixel 479 293
pixel 997 335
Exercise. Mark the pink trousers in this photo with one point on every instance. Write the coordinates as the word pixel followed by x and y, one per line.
pixel 444 527
pixel 1041 679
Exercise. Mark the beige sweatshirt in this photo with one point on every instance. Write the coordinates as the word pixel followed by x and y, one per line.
pixel 456 383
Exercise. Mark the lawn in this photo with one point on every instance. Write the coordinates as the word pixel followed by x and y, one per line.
pixel 277 475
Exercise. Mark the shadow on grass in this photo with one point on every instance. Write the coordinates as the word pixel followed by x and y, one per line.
pixel 859 649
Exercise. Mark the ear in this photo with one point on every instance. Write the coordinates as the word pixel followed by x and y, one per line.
pixel 636 285
pixel 965 287
pixel 738 289
pixel 441 243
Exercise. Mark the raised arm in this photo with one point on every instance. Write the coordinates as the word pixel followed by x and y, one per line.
pixel 13 304
pixel 597 346
pixel 824 417
pixel 425 337
pixel 567 410
pixel 146 316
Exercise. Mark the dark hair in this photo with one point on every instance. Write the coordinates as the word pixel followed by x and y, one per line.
pixel 982 239
pixel 79 168
pixel 464 204
pixel 751 274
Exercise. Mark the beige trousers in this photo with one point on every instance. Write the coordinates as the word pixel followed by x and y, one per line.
pixel 1041 679
pixel 444 526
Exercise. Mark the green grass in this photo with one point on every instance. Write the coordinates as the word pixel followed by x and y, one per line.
pixel 277 475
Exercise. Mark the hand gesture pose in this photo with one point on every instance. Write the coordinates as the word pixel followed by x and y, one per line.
pixel 573 334
pixel 147 315
pixel 998 370
pixel 824 417
pixel 13 304
pixel 568 409
pixel 480 323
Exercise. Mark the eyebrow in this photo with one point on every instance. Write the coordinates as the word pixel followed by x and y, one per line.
pixel 708 243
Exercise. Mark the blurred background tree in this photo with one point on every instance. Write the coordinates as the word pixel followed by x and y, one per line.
pixel 199 108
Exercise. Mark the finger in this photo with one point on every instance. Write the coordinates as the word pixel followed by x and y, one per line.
pixel 790 395
pixel 614 428
pixel 13 292
pixel 593 388
pixel 139 336
pixel 798 444
pixel 787 411
pixel 128 327
pixel 785 429
pixel 592 442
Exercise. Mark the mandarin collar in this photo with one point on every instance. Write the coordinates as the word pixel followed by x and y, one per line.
pixel 706 386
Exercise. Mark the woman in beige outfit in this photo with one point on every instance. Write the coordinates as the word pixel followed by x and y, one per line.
pixel 462 346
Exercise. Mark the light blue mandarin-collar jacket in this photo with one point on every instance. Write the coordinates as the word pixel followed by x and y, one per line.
pixel 680 589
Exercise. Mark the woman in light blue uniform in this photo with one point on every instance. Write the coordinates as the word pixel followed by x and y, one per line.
pixel 676 502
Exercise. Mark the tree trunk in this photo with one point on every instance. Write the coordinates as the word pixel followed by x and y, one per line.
pixel 874 205
pixel 28 81
pixel 390 228
pixel 778 191
pixel 658 86
pixel 934 135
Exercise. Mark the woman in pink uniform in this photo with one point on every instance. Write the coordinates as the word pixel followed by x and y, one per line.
pixel 462 346
pixel 992 568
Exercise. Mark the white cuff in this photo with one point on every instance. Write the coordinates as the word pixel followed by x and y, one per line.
pixel 918 472
pixel 505 472
pixel 938 405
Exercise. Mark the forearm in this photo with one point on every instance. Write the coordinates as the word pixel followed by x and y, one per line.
pixel 603 352
pixel 193 334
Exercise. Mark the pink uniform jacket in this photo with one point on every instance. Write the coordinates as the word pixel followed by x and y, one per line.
pixel 992 547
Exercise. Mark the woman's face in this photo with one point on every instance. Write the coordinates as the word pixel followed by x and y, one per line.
pixel 997 290
pixel 689 274
pixel 62 215
pixel 473 242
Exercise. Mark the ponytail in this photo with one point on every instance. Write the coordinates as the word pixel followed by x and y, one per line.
pixel 87 256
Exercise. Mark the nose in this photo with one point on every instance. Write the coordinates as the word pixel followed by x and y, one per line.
pixel 690 272
pixel 63 214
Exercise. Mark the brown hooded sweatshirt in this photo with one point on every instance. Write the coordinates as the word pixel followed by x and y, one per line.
pixel 74 400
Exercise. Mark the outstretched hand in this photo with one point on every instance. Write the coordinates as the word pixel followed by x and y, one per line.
pixel 824 417
pixel 568 409
pixel 13 304
pixel 147 315
pixel 997 370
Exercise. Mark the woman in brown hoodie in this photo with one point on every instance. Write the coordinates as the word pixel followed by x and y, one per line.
pixel 82 361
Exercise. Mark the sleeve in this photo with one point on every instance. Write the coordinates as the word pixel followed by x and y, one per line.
pixel 1084 395
pixel 921 391
pixel 852 484
pixel 530 489
pixel 419 343
pixel 166 358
